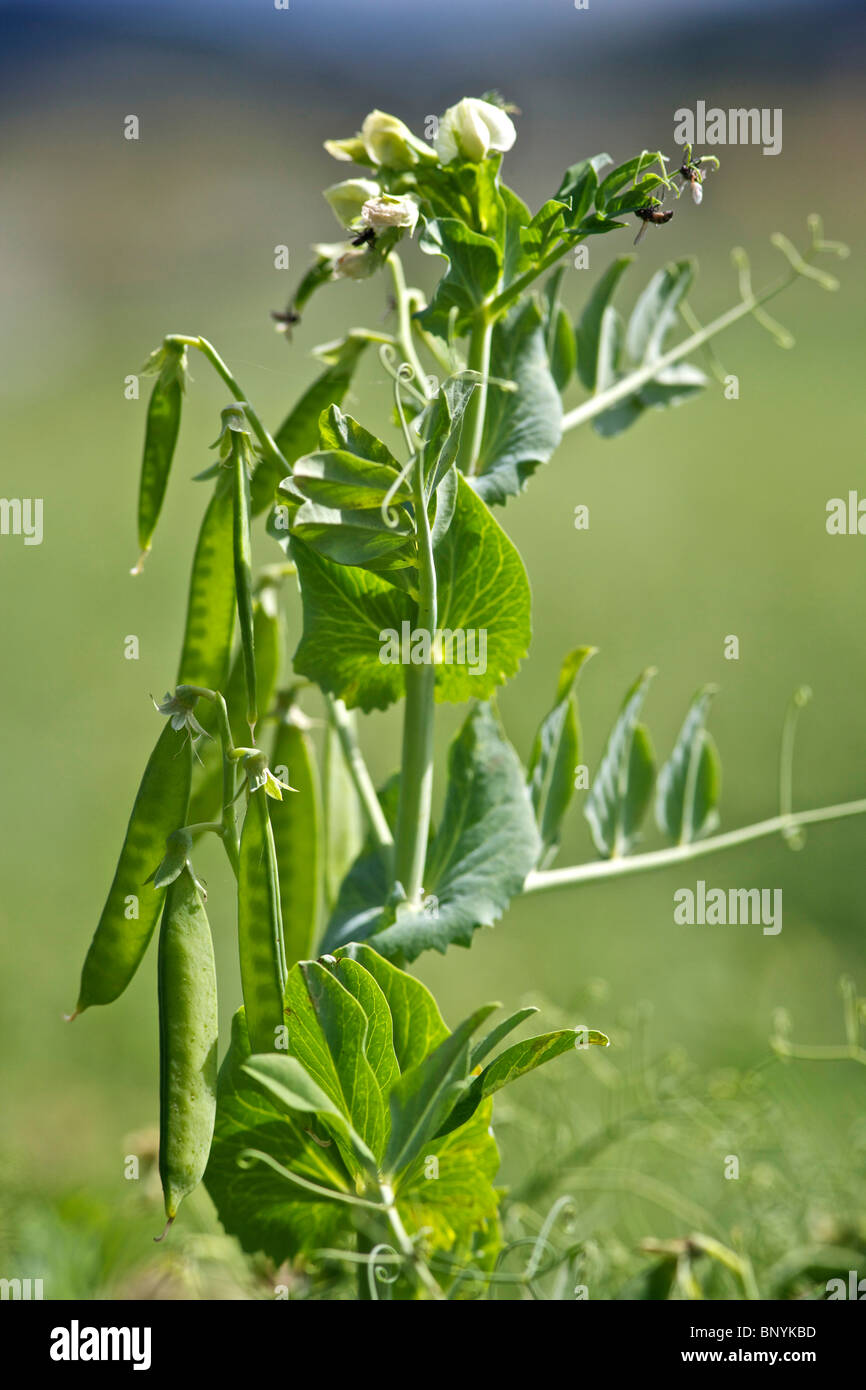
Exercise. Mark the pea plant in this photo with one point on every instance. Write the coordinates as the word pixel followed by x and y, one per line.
pixel 347 1121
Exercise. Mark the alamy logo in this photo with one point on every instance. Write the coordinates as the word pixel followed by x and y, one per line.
pixel 21 1289
pixel 856 1288
pixel 22 516
pixel 736 126
pixel 737 907
pixel 415 647
pixel 76 1343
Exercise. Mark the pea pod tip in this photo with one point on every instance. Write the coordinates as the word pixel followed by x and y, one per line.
pixel 165 1230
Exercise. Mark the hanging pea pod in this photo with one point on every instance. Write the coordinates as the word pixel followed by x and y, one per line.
pixel 187 1041
pixel 210 617
pixel 343 820
pixel 132 907
pixel 269 645
pixel 260 926
pixel 160 438
pixel 234 444
pixel 296 822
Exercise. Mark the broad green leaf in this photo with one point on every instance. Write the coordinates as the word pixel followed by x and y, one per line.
pixel 474 268
pixel 559 337
pixel 258 1206
pixel 516 260
pixel 514 1062
pixel 484 616
pixel 555 755
pixel 291 1086
pixel 453 1198
pixel 486 844
pixel 648 190
pixel 344 433
pixel 425 1093
pixel 545 229
pixel 417 1024
pixel 360 537
pixel 379 1041
pixel 622 785
pixel 523 427
pixel 328 1031
pixel 690 781
pixel 337 478
pixel 439 426
pixel 588 330
pixel 299 432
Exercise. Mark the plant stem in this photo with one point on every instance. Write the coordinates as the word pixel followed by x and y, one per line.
pixel 360 775
pixel 478 360
pixel 404 321
pixel 230 834
pixel 416 777
pixel 268 443
pixel 406 1248
pixel 541 881
pixel 597 404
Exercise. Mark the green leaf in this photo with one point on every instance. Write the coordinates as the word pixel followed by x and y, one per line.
pixel 588 331
pixel 523 427
pixel 555 755
pixel 328 1033
pixel 623 174
pixel 545 229
pixel 347 611
pixel 474 268
pixel 495 1036
pixel 689 784
pixel 299 432
pixel 417 1024
pixel 456 1203
pixel 439 426
pixel 621 788
pixel 258 1206
pixel 517 258
pixel 486 844
pixel 337 478
pixel 579 185
pixel 652 319
pixel 291 1086
pixel 425 1094
pixel 515 1062
pixel 360 537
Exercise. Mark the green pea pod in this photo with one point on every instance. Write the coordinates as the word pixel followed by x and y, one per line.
pixel 244 571
pixel 344 825
pixel 268 644
pixel 132 907
pixel 260 926
pixel 210 618
pixel 187 1042
pixel 296 822
pixel 160 438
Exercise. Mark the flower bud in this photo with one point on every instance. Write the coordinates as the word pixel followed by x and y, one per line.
pixel 349 151
pixel 348 198
pixel 388 141
pixel 472 130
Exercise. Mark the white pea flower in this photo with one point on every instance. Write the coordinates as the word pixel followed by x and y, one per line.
pixel 472 130
pixel 347 199
pixel 382 211
pixel 389 141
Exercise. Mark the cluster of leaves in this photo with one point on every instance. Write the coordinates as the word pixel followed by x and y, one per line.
pixel 371 1089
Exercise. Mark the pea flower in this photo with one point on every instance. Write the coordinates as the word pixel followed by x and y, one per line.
pixel 472 130
pixel 389 141
pixel 382 211
pixel 347 199
pixel 180 710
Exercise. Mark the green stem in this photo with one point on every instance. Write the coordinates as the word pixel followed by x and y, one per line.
pixel 268 444
pixel 540 881
pixel 404 322
pixel 230 833
pixel 478 360
pixel 406 1248
pixel 597 404
pixel 509 296
pixel 360 775
pixel 416 777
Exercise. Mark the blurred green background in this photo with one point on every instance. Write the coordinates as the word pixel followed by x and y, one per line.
pixel 705 521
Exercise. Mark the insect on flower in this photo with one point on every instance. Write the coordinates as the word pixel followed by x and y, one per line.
pixel 367 237
pixel 691 174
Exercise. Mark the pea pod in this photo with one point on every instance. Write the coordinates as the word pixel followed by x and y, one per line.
pixel 132 907
pixel 344 826
pixel 210 617
pixel 244 567
pixel 260 926
pixel 268 644
pixel 296 822
pixel 160 438
pixel 187 1041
